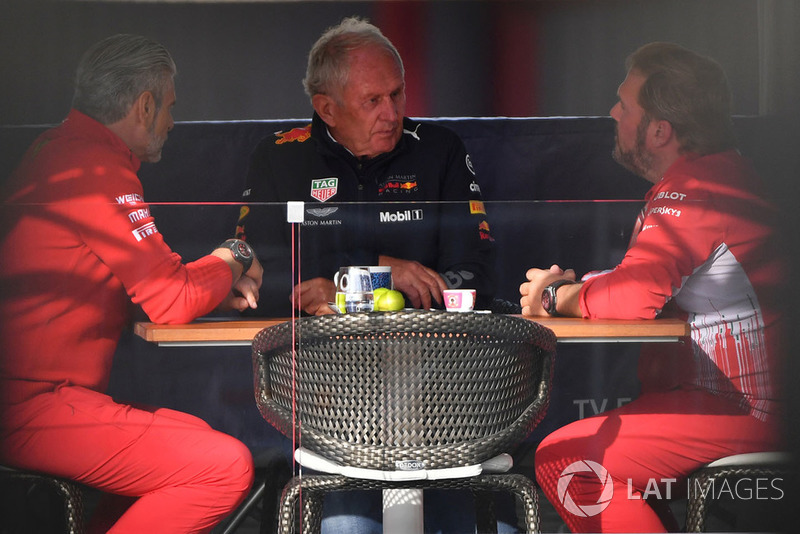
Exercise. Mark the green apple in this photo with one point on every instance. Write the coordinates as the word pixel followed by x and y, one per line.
pixel 376 297
pixel 379 292
pixel 388 300
pixel 341 303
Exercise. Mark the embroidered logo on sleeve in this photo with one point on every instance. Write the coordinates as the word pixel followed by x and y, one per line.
pixel 484 232
pixel 476 206
pixel 295 134
pixel 470 168
pixel 138 215
pixel 145 231
pixel 130 198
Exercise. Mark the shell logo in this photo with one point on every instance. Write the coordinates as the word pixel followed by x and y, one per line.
pixel 586 510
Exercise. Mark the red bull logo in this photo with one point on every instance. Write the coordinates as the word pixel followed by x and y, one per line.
pixel 484 232
pixel 396 186
pixel 243 212
pixel 295 134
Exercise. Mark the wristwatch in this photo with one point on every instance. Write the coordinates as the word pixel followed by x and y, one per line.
pixel 549 299
pixel 241 252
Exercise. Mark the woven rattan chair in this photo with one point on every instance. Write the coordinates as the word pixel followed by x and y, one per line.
pixel 760 465
pixel 409 399
pixel 25 495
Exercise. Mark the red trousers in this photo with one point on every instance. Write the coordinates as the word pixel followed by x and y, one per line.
pixel 643 452
pixel 182 476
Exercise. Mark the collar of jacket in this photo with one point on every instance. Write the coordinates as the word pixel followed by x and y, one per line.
pixel 327 146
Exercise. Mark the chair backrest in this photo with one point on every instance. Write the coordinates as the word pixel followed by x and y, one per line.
pixel 374 389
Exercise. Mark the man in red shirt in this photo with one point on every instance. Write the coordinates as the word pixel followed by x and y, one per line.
pixel 78 245
pixel 704 249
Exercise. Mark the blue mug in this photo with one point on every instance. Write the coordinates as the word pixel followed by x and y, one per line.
pixel 381 276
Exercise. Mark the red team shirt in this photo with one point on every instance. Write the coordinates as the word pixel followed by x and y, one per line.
pixel 79 244
pixel 704 250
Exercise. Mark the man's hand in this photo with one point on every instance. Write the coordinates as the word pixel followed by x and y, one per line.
pixel 314 295
pixel 419 283
pixel 538 279
pixel 244 293
pixel 256 272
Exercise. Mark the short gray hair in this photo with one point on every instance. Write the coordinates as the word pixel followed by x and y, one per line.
pixel 329 59
pixel 115 71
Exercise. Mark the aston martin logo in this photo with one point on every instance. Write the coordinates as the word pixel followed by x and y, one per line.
pixel 322 212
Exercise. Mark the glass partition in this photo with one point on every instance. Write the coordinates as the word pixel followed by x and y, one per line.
pixel 512 236
pixel 516 235
pixel 215 381
pixel 487 246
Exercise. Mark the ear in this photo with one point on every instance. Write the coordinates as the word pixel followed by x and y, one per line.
pixel 662 133
pixel 325 108
pixel 144 108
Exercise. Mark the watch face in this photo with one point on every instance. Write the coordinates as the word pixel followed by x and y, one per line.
pixel 243 249
pixel 547 300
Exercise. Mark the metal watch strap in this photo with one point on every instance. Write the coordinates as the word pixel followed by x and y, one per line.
pixel 242 252
pixel 550 298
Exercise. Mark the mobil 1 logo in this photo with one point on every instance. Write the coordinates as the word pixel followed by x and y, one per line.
pixel 399 216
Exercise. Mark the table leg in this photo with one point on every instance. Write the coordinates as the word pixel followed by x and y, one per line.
pixel 402 511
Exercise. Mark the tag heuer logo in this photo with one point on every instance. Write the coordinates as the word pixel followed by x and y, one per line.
pixel 324 189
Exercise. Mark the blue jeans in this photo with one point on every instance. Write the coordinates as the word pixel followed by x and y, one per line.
pixel 446 512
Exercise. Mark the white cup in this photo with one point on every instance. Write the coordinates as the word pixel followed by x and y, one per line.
pixel 353 290
pixel 459 300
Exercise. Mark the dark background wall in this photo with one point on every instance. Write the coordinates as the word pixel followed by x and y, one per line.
pixel 246 60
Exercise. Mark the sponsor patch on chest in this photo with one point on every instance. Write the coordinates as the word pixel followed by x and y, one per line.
pixel 324 188
pixel 400 216
pixel 398 184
